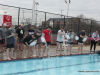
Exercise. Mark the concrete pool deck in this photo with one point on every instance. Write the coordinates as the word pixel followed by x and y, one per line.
pixel 52 53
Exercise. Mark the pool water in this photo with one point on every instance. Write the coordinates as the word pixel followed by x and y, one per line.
pixel 68 65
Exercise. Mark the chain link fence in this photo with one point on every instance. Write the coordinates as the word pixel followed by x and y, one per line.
pixel 23 16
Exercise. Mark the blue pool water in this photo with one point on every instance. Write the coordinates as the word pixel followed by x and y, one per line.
pixel 69 65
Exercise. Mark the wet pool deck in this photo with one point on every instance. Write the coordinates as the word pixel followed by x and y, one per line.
pixel 52 53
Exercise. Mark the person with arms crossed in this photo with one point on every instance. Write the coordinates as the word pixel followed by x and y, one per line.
pixel 60 35
pixel 48 36
pixel 20 35
pixel 81 35
pixel 2 37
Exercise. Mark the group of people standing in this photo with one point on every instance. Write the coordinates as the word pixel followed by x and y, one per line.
pixel 23 41
pixel 94 39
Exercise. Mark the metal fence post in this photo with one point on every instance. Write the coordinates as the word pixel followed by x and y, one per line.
pixel 18 15
pixel 78 25
pixel 45 21
pixel 90 28
pixel 64 22
pixel 71 25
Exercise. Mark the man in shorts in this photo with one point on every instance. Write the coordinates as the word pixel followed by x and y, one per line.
pixel 48 36
pixel 2 37
pixel 81 35
pixel 71 34
pixel 37 35
pixel 20 35
pixel 10 43
pixel 27 41
pixel 60 35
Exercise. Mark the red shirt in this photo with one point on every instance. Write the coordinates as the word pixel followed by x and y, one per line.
pixel 47 35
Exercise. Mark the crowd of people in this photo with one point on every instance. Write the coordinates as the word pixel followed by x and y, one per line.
pixel 23 41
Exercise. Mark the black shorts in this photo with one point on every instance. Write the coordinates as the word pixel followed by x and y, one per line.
pixel 80 41
pixel 24 43
pixel 70 42
pixel 48 43
pixel 60 41
pixel 2 41
pixel 37 42
pixel 20 40
pixel 10 45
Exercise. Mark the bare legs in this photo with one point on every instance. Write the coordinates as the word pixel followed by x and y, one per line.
pixel 46 48
pixel 37 50
pixel 60 48
pixel 1 47
pixel 58 44
pixel 38 46
pixel 57 49
pixel 21 45
pixel 24 51
pixel 8 58
pixel 80 46
pixel 69 49
pixel 12 54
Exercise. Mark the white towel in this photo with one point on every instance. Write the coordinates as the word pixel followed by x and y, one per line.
pixel 43 39
pixel 76 38
pixel 33 43
pixel 67 36
pixel 84 39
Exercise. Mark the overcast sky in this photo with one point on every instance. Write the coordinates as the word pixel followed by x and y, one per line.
pixel 90 8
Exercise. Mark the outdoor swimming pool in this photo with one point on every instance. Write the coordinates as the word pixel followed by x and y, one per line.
pixel 68 65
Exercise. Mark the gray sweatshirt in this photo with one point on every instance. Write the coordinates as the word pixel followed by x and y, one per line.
pixel 3 33
pixel 94 35
pixel 71 35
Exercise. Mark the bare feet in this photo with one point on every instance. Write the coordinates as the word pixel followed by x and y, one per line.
pixel 67 54
pixel 79 53
pixel 33 56
pixel 47 55
pixel 57 55
pixel 30 56
pixel 38 56
pixel 8 59
pixel 61 54
pixel 70 54
pixel 44 55
pixel 17 49
pixel 24 57
pixel 12 58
